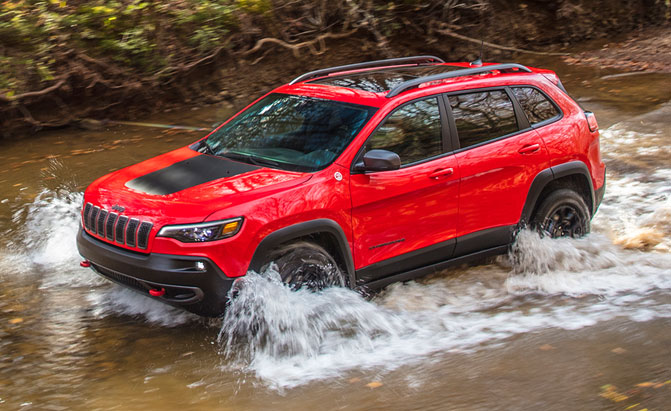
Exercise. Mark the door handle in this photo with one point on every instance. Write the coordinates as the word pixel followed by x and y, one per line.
pixel 441 172
pixel 529 148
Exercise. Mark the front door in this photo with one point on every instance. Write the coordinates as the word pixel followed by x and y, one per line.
pixel 406 218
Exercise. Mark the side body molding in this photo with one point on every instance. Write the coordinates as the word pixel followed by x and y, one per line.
pixel 296 231
pixel 546 176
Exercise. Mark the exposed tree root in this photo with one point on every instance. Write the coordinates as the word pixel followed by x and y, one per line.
pixel 450 33
pixel 38 93
pixel 295 48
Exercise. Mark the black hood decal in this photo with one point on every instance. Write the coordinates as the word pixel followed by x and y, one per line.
pixel 188 173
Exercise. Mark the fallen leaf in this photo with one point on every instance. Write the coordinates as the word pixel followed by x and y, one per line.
pixel 632 406
pixel 618 350
pixel 645 384
pixel 610 392
pixel 16 320
pixel 374 384
pixel 546 347
pixel 354 380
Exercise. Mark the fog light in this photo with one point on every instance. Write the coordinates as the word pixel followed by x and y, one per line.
pixel 200 266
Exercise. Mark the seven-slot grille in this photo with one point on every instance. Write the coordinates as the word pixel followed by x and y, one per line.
pixel 114 227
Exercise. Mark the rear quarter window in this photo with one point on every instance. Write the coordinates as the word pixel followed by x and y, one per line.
pixel 536 105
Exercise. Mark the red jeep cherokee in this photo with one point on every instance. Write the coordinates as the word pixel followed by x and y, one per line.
pixel 358 175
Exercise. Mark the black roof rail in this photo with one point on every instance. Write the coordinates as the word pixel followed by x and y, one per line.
pixel 451 74
pixel 368 64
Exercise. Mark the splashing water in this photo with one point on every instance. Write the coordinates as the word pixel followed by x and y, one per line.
pixel 116 300
pixel 588 266
pixel 42 241
pixel 636 212
pixel 287 338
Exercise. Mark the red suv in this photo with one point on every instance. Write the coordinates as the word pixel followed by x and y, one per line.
pixel 358 175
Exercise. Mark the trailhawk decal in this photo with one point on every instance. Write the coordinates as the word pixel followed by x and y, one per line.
pixel 188 173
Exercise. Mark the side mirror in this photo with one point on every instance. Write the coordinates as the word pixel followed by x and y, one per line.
pixel 379 160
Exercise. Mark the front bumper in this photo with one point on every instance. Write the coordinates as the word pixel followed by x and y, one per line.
pixel 200 288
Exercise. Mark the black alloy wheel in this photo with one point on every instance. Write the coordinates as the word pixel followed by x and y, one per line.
pixel 308 265
pixel 563 214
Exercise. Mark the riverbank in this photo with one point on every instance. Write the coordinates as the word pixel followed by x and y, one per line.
pixel 65 61
pixel 646 50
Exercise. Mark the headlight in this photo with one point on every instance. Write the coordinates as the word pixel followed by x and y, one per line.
pixel 196 233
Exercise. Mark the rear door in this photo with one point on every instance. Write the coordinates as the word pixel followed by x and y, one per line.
pixel 406 218
pixel 499 155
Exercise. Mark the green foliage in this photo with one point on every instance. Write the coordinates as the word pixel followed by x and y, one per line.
pixel 255 6
pixel 127 31
pixel 148 37
pixel 200 23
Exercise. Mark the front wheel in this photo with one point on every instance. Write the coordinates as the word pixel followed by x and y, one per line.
pixel 308 265
pixel 563 214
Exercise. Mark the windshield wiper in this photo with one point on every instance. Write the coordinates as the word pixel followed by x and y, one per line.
pixel 251 158
pixel 205 148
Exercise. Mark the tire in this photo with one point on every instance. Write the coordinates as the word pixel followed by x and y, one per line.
pixel 562 214
pixel 308 265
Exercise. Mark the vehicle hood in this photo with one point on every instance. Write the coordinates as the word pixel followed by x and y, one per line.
pixel 186 186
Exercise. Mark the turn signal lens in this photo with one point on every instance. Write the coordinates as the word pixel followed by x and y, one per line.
pixel 196 233
pixel 230 228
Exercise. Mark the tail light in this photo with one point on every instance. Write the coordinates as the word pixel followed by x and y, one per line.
pixel 591 121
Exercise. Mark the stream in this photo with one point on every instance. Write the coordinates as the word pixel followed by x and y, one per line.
pixel 557 324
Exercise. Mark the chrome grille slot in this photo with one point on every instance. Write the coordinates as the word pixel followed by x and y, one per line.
pixel 143 234
pixel 94 216
pixel 87 212
pixel 101 223
pixel 121 229
pixel 109 227
pixel 116 228
pixel 131 232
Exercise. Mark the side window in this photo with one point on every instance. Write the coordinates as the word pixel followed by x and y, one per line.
pixel 482 116
pixel 535 105
pixel 412 131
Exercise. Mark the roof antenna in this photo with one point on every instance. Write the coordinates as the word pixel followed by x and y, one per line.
pixel 478 62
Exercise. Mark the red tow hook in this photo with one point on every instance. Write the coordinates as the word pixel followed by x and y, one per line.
pixel 85 263
pixel 157 293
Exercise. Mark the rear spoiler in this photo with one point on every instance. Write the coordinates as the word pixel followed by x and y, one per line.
pixel 554 78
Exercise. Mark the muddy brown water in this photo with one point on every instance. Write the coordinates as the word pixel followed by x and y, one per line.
pixel 565 324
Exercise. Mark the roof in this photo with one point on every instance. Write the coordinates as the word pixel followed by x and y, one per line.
pixel 383 79
pixel 373 83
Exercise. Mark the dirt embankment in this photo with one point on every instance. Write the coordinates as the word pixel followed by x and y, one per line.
pixel 645 50
pixel 63 61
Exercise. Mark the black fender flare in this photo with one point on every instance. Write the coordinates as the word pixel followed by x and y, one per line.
pixel 548 175
pixel 292 232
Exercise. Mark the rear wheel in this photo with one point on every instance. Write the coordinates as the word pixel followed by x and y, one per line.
pixel 308 265
pixel 563 214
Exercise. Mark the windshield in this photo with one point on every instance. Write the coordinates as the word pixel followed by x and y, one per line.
pixel 290 132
